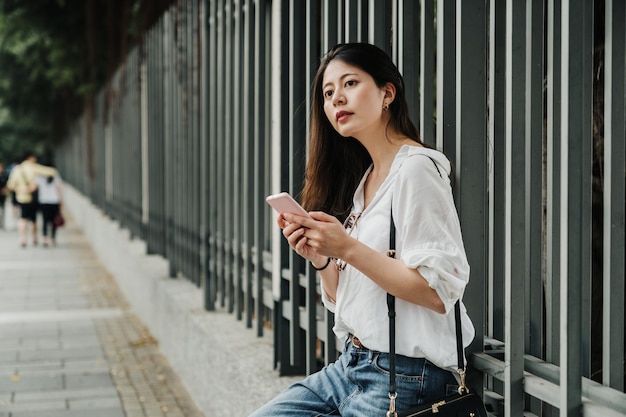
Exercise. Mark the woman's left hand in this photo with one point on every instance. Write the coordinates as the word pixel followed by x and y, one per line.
pixel 323 233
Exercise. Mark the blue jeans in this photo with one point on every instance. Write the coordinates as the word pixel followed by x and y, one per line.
pixel 357 384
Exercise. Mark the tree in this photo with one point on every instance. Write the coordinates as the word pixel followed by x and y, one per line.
pixel 54 56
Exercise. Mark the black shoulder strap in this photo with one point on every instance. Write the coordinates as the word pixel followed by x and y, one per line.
pixel 435 164
pixel 391 307
pixel 391 302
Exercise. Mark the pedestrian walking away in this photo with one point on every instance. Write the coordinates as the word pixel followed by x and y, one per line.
pixel 367 164
pixel 50 205
pixel 23 182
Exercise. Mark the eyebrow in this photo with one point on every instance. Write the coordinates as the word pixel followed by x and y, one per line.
pixel 341 78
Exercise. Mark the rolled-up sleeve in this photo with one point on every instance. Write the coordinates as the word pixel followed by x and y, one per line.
pixel 428 228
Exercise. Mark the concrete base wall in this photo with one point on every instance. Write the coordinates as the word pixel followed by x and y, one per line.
pixel 225 367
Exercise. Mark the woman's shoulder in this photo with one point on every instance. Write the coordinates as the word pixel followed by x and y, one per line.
pixel 419 160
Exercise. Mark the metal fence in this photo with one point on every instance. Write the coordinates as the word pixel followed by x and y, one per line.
pixel 210 114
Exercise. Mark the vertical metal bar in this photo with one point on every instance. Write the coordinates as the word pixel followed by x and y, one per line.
pixel 192 176
pixel 312 34
pixel 151 76
pixel 295 157
pixel 191 153
pixel 614 168
pixel 553 181
pixel 183 136
pixel 174 110
pixel 247 174
pixel 238 105
pixel 169 139
pixel 515 254
pixel 138 194
pixel 177 140
pixel 426 66
pixel 213 31
pixel 576 56
pixel 205 187
pixel 534 185
pixel 497 166
pixel 446 77
pixel 228 140
pixel 279 128
pixel 471 163
pixel 534 327
pixel 152 148
pixel 586 221
pixel 396 38
pixel 220 139
pixel 379 24
pixel 192 194
pixel 412 58
pixel 196 17
pixel 495 297
pixel 330 35
pixel 161 126
pixel 158 124
pixel 262 94
pixel 341 21
pixel 351 16
pixel 363 21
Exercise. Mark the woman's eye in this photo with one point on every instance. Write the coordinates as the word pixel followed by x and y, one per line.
pixel 350 83
pixel 328 93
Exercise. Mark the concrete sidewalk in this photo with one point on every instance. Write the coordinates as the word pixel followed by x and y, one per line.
pixel 69 344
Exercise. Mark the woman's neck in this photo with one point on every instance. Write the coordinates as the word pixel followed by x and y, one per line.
pixel 383 151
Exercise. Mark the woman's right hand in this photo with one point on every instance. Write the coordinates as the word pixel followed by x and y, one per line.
pixel 322 230
pixel 294 233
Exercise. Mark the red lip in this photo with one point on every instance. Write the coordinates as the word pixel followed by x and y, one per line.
pixel 342 115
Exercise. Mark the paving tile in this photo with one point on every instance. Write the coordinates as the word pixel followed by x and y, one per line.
pixel 91 364
pixel 88 381
pixel 108 412
pixel 40 365
pixel 8 356
pixel 38 406
pixel 75 341
pixel 32 383
pixel 39 343
pixel 5 397
pixel 95 403
pixel 75 394
pixel 27 330
pixel 51 354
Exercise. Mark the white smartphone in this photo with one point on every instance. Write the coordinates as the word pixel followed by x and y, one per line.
pixel 285 203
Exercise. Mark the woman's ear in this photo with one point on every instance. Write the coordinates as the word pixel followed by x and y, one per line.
pixel 390 92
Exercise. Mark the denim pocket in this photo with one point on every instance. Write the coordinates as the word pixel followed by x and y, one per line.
pixel 407 369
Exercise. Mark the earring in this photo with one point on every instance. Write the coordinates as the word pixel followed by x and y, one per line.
pixel 386 107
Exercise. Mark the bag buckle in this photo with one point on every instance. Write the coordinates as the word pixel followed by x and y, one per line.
pixel 462 388
pixel 392 405
pixel 435 406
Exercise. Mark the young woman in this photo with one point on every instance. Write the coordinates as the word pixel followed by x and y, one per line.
pixel 367 162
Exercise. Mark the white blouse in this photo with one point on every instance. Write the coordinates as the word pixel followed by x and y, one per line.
pixel 428 237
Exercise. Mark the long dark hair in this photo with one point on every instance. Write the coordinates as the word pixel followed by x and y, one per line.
pixel 337 164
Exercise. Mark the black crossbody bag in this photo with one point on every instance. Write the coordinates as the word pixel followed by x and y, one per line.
pixel 463 404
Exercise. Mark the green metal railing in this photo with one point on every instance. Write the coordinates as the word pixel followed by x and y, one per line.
pixel 210 114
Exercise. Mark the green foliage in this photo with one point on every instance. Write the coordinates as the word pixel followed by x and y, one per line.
pixel 55 54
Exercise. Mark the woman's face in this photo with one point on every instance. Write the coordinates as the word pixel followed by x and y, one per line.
pixel 353 103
